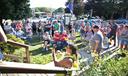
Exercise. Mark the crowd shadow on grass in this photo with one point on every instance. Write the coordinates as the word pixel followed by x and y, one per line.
pixel 36 40
pixel 78 41
pixel 36 51
pixel 81 46
pixel 46 52
pixel 37 43
pixel 78 36
pixel 39 51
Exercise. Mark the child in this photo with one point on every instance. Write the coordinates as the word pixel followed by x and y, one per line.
pixel 105 41
pixel 29 36
pixel 47 40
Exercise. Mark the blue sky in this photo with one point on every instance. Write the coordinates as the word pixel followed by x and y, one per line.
pixel 47 3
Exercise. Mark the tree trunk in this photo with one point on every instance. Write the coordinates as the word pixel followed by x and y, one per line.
pixel 0 21
pixel 127 14
pixel 112 15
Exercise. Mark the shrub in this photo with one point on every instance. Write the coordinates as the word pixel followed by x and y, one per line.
pixel 112 67
pixel 8 48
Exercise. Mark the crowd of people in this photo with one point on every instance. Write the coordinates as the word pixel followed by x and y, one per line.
pixel 56 32
pixel 53 32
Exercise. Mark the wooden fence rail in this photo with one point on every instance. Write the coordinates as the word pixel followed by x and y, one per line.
pixel 21 45
pixel 14 67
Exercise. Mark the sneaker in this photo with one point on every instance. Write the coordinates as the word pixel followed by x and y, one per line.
pixel 0 61
pixel 88 52
pixel 46 49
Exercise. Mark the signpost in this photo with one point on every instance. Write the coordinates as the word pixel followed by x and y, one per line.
pixel 67 18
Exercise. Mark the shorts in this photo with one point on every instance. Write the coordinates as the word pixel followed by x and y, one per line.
pixel 48 41
pixel 124 41
pixel 119 40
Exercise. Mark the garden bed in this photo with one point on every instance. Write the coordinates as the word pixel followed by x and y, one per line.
pixel 116 66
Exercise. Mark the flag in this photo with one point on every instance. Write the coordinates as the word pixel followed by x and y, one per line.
pixel 70 6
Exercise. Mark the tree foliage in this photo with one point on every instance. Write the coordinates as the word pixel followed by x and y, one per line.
pixel 107 8
pixel 8 48
pixel 14 9
pixel 43 9
pixel 59 10
pixel 78 7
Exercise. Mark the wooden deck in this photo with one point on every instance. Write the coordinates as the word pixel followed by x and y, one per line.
pixel 25 69
pixel 27 74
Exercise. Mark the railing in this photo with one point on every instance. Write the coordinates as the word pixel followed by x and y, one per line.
pixel 14 67
pixel 24 46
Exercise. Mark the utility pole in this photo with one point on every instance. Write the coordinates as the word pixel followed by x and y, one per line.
pixel 91 13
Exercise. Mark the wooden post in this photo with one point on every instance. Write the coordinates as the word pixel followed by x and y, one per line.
pixel 3 38
pixel 27 55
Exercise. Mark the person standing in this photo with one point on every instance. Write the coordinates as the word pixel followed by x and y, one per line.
pixel 124 37
pixel 34 28
pixel 28 28
pixel 39 29
pixel 82 30
pixel 96 41
pixel 113 32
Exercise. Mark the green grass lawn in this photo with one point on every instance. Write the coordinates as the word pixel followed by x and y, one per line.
pixel 37 56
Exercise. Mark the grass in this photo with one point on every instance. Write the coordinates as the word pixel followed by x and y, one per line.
pixel 42 57
pixel 37 56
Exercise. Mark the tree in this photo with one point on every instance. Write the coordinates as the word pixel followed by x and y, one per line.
pixel 78 7
pixel 14 9
pixel 108 8
pixel 59 10
pixel 43 9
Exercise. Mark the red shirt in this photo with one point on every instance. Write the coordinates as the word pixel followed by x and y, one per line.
pixel 56 37
pixel 63 37
pixel 19 26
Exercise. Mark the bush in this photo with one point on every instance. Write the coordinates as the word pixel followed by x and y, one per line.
pixel 8 48
pixel 112 67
